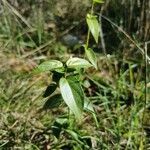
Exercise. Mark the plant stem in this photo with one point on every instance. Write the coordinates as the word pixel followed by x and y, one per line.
pixel 145 96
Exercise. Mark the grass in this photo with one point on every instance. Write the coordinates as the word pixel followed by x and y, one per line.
pixel 118 101
pixel 116 89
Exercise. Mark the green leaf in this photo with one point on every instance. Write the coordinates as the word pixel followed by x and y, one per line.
pixel 71 97
pixel 49 66
pixel 62 121
pixel 88 105
pixel 73 134
pixel 53 102
pixel 98 1
pixel 78 63
pixel 91 56
pixel 77 90
pixel 93 25
pixel 50 89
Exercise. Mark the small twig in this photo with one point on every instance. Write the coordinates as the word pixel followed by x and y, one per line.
pixel 102 36
pixel 103 8
pixel 126 34
pixel 145 94
pixel 16 13
pixel 41 48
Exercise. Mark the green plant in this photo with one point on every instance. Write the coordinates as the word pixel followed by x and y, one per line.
pixel 67 76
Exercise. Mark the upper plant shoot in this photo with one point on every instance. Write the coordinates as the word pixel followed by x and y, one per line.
pixel 93 25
